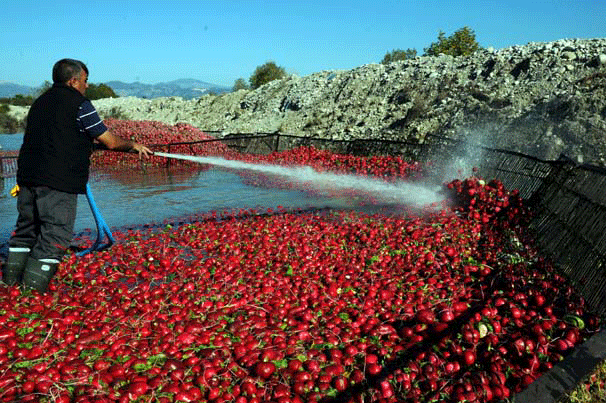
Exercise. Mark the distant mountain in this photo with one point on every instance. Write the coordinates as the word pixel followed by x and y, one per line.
pixel 8 90
pixel 186 88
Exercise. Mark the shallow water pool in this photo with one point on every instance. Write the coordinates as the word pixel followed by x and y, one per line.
pixel 137 197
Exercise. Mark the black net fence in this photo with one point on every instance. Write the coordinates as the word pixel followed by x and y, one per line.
pixel 8 166
pixel 570 226
pixel 568 199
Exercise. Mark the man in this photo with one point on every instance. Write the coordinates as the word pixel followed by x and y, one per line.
pixel 52 170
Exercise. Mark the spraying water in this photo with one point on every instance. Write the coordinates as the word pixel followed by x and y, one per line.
pixel 401 193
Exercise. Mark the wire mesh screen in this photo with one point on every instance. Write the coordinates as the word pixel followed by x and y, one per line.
pixel 516 171
pixel 570 227
pixel 8 166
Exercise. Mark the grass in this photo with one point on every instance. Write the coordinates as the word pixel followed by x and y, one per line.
pixel 591 390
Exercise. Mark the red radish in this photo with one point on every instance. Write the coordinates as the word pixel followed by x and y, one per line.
pixel 469 357
pixel 373 369
pixel 447 315
pixel 265 369
pixel 340 383
pixel 426 316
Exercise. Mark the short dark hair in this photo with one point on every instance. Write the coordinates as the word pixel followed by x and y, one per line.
pixel 66 69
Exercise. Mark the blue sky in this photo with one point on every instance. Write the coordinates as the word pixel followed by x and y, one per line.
pixel 220 41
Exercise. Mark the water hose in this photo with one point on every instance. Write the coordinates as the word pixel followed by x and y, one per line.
pixel 177 156
pixel 102 227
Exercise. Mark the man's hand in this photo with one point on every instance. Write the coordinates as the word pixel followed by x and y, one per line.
pixel 117 143
pixel 142 150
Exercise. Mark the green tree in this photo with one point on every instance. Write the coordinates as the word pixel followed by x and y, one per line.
pixel 398 55
pixel 99 91
pixel 43 88
pixel 8 124
pixel 461 43
pixel 94 91
pixel 240 84
pixel 21 100
pixel 266 73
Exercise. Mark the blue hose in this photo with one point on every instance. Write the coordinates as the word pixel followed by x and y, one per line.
pixel 102 228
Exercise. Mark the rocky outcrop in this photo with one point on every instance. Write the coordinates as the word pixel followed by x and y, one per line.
pixel 542 99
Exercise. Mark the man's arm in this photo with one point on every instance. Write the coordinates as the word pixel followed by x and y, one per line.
pixel 117 143
pixel 91 123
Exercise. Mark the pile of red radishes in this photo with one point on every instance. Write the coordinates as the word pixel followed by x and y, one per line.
pixel 451 304
pixel 156 135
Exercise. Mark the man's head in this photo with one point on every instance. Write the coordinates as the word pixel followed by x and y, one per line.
pixel 72 73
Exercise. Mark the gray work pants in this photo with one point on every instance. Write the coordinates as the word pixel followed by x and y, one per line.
pixel 46 221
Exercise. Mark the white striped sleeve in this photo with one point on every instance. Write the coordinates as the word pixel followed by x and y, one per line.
pixel 89 120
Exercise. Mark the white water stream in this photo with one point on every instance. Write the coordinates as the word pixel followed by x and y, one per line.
pixel 402 193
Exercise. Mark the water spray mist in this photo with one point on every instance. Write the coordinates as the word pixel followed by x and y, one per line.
pixel 400 193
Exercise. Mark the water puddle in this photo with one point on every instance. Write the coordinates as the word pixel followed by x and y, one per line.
pixel 137 197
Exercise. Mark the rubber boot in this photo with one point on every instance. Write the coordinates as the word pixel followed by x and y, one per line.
pixel 39 272
pixel 12 272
